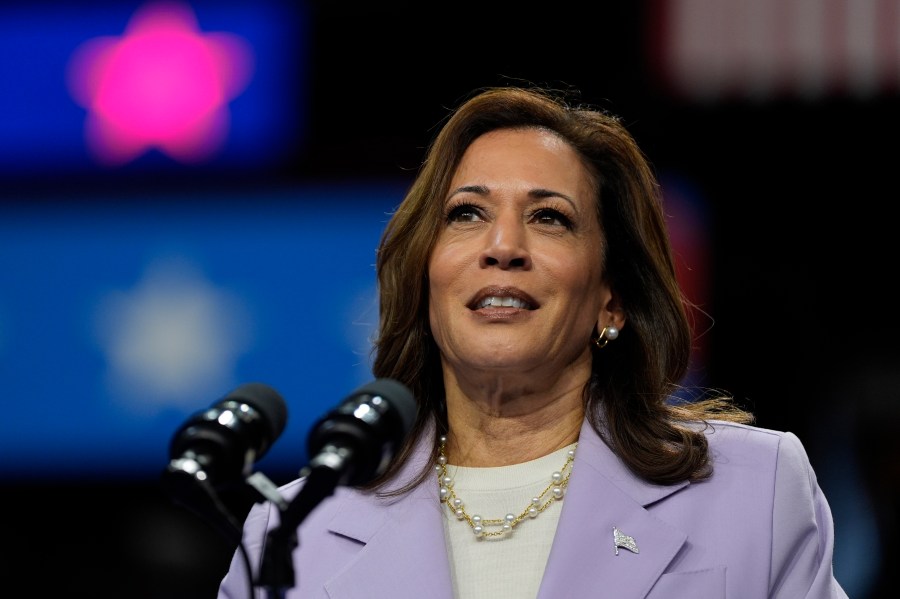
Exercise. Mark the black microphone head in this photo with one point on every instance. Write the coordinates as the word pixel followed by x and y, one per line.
pixel 371 423
pixel 223 441
pixel 267 401
pixel 397 395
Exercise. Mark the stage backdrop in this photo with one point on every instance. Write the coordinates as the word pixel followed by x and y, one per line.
pixel 121 316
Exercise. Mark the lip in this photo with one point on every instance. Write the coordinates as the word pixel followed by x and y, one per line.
pixel 497 291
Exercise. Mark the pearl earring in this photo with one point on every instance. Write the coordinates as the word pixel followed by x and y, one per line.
pixel 609 333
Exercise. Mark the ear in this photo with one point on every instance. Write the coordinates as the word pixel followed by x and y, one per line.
pixel 612 314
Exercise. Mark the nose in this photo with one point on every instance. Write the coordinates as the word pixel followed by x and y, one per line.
pixel 506 244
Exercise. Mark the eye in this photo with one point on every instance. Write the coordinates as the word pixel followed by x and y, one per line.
pixel 464 213
pixel 549 216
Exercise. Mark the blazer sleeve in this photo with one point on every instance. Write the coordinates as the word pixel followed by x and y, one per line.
pixel 802 530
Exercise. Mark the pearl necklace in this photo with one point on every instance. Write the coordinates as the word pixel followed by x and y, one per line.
pixel 559 480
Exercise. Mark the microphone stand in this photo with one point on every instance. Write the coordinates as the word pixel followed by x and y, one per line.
pixel 323 475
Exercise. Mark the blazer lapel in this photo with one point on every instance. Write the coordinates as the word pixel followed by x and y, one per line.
pixel 602 496
pixel 405 555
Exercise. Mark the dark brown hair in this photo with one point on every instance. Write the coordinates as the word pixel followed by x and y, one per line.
pixel 629 398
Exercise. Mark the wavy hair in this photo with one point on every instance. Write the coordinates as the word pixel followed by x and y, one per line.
pixel 629 397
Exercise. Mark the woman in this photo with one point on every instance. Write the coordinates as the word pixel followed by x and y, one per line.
pixel 529 301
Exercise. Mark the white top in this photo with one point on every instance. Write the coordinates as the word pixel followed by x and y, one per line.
pixel 508 566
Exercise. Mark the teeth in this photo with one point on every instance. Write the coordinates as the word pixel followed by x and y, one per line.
pixel 495 301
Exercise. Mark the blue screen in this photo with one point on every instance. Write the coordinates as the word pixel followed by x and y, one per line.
pixel 122 316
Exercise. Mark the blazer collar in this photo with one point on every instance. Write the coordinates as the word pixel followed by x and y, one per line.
pixel 404 535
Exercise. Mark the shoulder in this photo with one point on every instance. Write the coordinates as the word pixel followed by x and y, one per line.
pixel 721 432
pixel 775 460
pixel 775 457
pixel 733 439
pixel 801 529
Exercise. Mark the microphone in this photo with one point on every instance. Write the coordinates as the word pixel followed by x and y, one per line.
pixel 351 445
pixel 357 439
pixel 219 445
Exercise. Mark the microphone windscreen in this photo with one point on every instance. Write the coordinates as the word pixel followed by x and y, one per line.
pixel 398 396
pixel 267 401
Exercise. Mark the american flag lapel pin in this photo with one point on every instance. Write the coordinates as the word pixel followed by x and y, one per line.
pixel 620 539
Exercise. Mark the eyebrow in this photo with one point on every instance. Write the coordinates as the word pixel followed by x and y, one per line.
pixel 537 194
pixel 476 189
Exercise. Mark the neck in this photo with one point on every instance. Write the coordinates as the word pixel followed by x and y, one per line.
pixel 497 425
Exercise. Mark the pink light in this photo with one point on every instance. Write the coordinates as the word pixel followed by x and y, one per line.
pixel 163 84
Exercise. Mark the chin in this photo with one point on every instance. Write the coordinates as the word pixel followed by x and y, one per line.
pixel 503 361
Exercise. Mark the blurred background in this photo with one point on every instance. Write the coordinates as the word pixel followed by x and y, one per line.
pixel 191 194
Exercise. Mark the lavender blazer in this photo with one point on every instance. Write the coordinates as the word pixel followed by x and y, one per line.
pixel 758 528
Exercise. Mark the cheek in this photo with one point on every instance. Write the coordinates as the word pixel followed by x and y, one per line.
pixel 580 283
pixel 448 267
pixel 581 275
pixel 437 264
pixel 438 316
pixel 438 282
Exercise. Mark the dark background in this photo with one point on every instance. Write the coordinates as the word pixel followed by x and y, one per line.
pixel 801 200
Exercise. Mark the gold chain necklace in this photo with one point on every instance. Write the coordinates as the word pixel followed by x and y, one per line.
pixel 559 480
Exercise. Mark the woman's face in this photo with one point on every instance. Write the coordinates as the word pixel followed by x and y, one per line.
pixel 515 277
